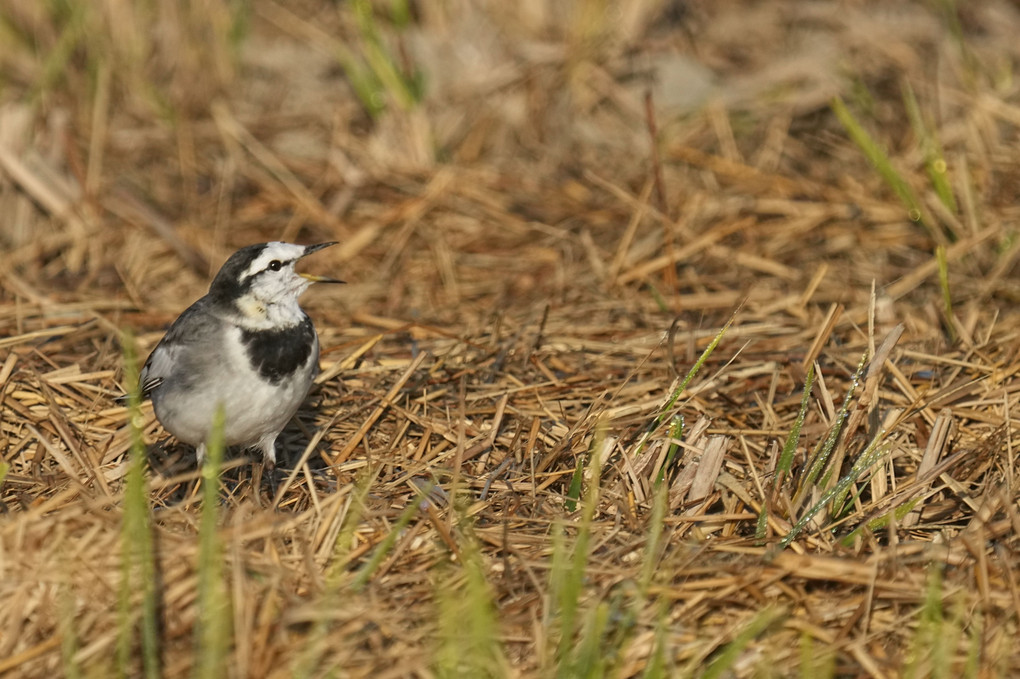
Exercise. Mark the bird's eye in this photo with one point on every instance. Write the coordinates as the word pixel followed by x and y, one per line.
pixel 275 265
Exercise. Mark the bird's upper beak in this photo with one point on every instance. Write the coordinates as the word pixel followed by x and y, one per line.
pixel 312 277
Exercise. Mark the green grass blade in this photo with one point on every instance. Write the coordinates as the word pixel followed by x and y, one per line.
pixel 761 526
pixel 386 544
pixel 653 538
pixel 566 589
pixel 972 663
pixel 934 162
pixel 625 607
pixel 574 490
pixel 380 60
pixel 676 432
pixel 927 636
pixel 880 522
pixel 314 648
pixel 56 65
pixel 949 9
pixel 68 632
pixel 868 457
pixel 468 627
pixel 878 158
pixel 567 575
pixel 665 411
pixel 344 539
pixel 821 455
pixel 659 300
pixel 785 463
pixel 558 600
pixel 138 568
pixel 240 24
pixel 591 656
pixel 656 667
pixel 213 633
pixel 724 661
pixel 815 665
pixel 947 297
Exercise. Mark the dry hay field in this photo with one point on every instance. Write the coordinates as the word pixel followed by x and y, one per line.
pixel 678 337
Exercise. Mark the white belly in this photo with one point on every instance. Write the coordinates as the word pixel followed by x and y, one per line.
pixel 253 407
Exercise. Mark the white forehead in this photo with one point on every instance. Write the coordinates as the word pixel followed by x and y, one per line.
pixel 284 252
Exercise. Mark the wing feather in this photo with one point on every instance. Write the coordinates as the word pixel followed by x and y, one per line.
pixel 195 325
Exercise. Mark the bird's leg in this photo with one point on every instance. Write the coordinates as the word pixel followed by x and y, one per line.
pixel 267 444
pixel 200 452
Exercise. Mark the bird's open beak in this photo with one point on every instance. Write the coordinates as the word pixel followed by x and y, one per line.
pixel 312 277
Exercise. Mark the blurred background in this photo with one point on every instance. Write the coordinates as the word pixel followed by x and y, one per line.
pixel 482 153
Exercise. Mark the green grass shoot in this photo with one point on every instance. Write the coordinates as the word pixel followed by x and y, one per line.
pixel 814 665
pixel 138 565
pixel 307 662
pixel 723 663
pixel 657 667
pixel 934 160
pixel 565 587
pixel 972 663
pixel 676 432
pixel 925 659
pixel 879 159
pixel 660 301
pixel 372 69
pixel 403 90
pixel 653 538
pixel 576 483
pixel 386 544
pixel 213 630
pixel 947 297
pixel 880 522
pixel 820 456
pixel 469 643
pixel 344 539
pixel 676 427
pixel 785 462
pixel 590 658
pixel 567 574
pixel 73 32
pixel 939 633
pixel 950 12
pixel 671 401
pixel 867 458
pixel 68 631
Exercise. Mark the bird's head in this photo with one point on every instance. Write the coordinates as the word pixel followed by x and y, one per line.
pixel 260 282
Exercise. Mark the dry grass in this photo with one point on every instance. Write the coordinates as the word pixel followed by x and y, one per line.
pixel 516 254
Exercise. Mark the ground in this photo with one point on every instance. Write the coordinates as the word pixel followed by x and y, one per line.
pixel 677 339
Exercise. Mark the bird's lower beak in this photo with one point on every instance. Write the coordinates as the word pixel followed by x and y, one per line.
pixel 320 279
pixel 309 249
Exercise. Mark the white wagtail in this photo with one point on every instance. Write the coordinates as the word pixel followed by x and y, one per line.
pixel 246 347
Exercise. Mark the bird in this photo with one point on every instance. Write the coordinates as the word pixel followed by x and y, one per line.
pixel 247 347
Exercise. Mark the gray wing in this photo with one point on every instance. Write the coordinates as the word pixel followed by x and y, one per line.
pixel 195 326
